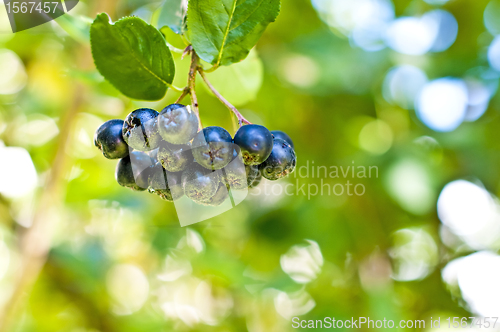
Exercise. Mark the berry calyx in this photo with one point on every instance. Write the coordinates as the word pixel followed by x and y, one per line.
pixel 174 158
pixel 108 138
pixel 213 148
pixel 255 142
pixel 284 136
pixel 177 124
pixel 281 161
pixel 140 130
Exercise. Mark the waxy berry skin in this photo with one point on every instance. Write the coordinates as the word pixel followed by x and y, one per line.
pixel 235 173
pixel 108 138
pixel 256 180
pixel 166 185
pixel 174 158
pixel 220 196
pixel 124 175
pixel 199 183
pixel 280 163
pixel 284 136
pixel 177 124
pixel 252 173
pixel 140 130
pixel 255 142
pixel 213 148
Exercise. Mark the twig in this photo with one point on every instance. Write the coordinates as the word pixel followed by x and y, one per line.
pixel 241 118
pixel 185 92
pixel 192 83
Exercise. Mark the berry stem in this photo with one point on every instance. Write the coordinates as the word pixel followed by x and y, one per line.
pixel 192 82
pixel 173 87
pixel 174 49
pixel 241 118
pixel 185 92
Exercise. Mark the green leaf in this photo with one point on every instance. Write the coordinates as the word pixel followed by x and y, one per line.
pixel 240 82
pixel 222 32
pixel 133 56
pixel 173 15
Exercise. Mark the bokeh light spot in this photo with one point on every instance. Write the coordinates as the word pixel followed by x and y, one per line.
pixel 442 104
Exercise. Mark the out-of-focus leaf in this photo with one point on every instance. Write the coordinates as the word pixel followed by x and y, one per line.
pixel 223 31
pixel 240 82
pixel 133 56
pixel 173 15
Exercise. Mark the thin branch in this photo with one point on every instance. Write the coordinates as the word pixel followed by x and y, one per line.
pixel 192 83
pixel 185 92
pixel 241 118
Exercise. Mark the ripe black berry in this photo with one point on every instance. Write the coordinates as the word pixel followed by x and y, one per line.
pixel 280 163
pixel 177 124
pixel 256 180
pixel 213 148
pixel 108 138
pixel 125 176
pixel 284 136
pixel 256 143
pixel 140 130
pixel 199 183
pixel 220 196
pixel 142 166
pixel 174 158
pixel 165 184
pixel 252 173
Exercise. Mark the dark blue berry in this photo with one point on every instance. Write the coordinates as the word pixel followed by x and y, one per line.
pixel 213 148
pixel 280 163
pixel 284 136
pixel 199 183
pixel 177 124
pixel 256 143
pixel 235 174
pixel 220 196
pixel 175 158
pixel 140 130
pixel 108 138
pixel 165 184
pixel 125 177
pixel 252 173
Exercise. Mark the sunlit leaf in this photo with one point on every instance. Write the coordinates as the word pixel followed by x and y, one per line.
pixel 133 56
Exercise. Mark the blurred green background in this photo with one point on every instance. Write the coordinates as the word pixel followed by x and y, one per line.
pixel 408 87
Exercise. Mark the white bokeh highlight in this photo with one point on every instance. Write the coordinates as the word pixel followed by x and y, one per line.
pixel 18 175
pixel 442 104
pixel 471 213
pixel 477 277
pixel 402 85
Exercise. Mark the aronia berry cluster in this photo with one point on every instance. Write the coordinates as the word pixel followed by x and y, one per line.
pixel 166 154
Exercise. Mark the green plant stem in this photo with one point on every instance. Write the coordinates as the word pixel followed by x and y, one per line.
pixel 241 118
pixel 174 49
pixel 175 88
